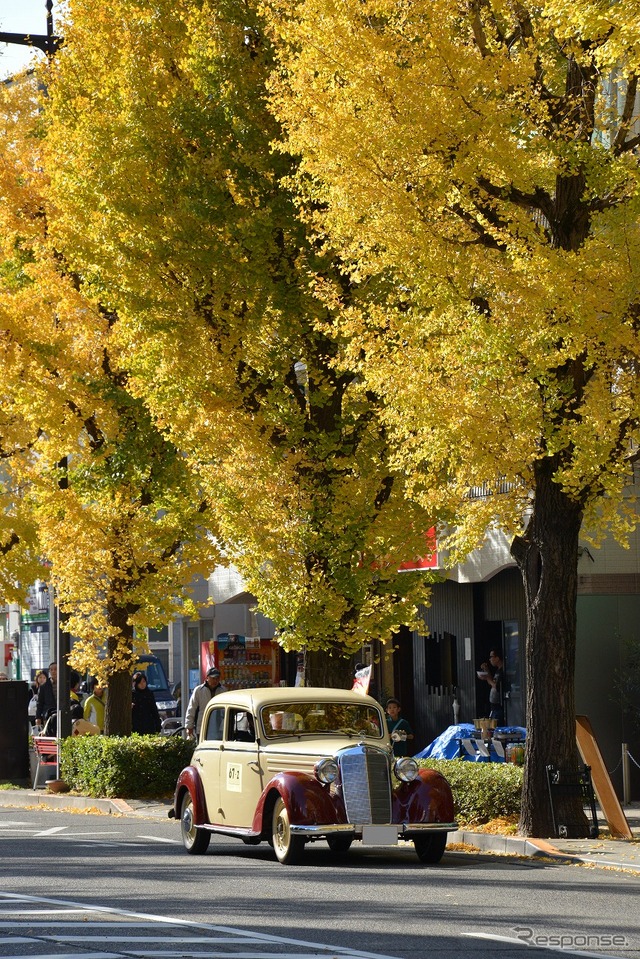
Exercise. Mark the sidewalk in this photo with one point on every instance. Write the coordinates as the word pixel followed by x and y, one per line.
pixel 605 852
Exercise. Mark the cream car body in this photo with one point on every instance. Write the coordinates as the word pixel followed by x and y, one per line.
pixel 292 766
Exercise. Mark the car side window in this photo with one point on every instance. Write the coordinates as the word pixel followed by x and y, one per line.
pixel 241 728
pixel 215 723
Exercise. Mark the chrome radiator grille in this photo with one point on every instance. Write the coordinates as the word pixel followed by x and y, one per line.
pixel 366 785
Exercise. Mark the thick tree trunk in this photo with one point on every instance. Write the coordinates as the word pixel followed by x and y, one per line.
pixel 547 555
pixel 117 716
pixel 323 669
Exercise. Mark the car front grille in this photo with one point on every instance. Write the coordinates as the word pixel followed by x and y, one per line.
pixel 366 785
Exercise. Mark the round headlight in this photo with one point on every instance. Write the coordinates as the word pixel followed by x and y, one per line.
pixel 406 769
pixel 327 771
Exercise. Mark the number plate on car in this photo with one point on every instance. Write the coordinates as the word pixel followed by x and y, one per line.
pixel 380 835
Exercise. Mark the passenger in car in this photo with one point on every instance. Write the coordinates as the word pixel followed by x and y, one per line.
pixel 241 727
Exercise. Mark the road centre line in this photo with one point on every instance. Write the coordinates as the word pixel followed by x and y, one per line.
pixel 50 832
pixel 242 935
pixel 513 940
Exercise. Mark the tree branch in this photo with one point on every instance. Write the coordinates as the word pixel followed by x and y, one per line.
pixel 627 115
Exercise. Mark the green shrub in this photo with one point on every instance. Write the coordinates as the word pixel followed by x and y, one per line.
pixel 143 767
pixel 481 791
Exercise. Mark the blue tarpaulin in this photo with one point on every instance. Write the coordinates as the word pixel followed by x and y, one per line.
pixel 447 744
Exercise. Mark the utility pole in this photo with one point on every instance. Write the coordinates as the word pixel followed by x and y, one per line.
pixel 48 42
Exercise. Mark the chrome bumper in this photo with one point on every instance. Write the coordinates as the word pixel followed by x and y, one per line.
pixel 404 829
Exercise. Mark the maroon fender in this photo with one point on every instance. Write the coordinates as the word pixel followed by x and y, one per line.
pixel 427 799
pixel 189 781
pixel 309 802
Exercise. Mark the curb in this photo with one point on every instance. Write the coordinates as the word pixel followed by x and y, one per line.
pixel 505 845
pixel 47 800
pixel 535 849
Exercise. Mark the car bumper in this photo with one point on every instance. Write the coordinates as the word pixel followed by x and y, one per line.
pixel 403 830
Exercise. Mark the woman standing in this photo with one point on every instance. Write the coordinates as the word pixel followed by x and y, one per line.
pixel 145 717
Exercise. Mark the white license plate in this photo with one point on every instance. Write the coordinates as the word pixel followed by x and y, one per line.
pixel 380 835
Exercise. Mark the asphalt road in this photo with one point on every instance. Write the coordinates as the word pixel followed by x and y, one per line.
pixel 103 887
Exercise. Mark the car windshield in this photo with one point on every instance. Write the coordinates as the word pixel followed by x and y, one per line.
pixel 311 719
pixel 156 679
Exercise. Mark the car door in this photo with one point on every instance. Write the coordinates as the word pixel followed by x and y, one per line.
pixel 207 759
pixel 241 776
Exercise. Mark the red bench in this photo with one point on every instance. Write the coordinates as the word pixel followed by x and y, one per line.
pixel 46 750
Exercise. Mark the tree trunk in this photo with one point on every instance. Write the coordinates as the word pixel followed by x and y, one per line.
pixel 547 555
pixel 324 669
pixel 117 715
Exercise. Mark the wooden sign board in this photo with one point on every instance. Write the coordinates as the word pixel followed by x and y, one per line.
pixel 602 785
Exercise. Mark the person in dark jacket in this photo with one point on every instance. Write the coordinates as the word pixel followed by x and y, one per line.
pixel 47 695
pixel 145 717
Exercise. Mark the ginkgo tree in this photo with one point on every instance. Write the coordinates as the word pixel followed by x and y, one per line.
pixel 177 214
pixel 476 165
pixel 89 483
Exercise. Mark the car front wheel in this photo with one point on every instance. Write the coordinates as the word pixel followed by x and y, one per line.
pixel 196 841
pixel 430 849
pixel 287 847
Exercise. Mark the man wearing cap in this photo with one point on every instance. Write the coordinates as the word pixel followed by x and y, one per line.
pixel 199 699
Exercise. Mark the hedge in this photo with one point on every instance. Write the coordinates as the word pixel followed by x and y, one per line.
pixel 141 767
pixel 147 767
pixel 481 791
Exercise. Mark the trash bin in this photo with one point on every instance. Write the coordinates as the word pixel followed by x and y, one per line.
pixel 567 784
pixel 14 731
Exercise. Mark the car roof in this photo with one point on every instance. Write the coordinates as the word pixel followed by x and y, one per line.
pixel 260 697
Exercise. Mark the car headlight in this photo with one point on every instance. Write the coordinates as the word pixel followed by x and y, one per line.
pixel 406 769
pixel 326 771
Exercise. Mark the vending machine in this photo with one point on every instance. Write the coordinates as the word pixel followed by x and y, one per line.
pixel 244 661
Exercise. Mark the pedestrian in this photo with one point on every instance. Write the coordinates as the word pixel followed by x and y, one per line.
pixel 47 700
pixel 399 729
pixel 33 692
pixel 199 699
pixel 145 718
pixel 94 705
pixel 75 696
pixel 495 678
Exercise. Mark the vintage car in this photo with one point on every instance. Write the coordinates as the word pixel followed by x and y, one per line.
pixel 292 766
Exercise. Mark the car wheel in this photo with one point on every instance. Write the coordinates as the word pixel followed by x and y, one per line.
pixel 339 843
pixel 196 841
pixel 288 848
pixel 430 849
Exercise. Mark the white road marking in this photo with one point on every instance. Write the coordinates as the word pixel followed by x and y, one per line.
pixel 146 940
pixel 240 936
pixel 176 842
pixel 72 955
pixel 50 832
pixel 39 912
